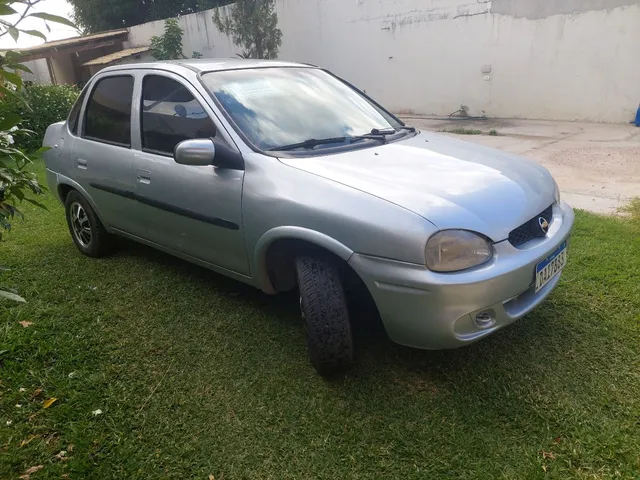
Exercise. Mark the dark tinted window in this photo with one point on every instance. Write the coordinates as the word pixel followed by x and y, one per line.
pixel 108 116
pixel 74 116
pixel 170 114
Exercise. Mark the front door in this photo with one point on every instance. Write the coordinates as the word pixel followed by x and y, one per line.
pixel 196 211
pixel 102 155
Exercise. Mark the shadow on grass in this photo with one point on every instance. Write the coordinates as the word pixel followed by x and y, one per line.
pixel 230 362
pixel 540 336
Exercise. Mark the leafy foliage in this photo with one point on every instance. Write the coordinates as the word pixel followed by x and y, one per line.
pixel 25 11
pixel 169 45
pixel 16 178
pixel 253 25
pixel 98 15
pixel 38 107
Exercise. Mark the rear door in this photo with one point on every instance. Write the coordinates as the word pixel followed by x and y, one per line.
pixel 102 157
pixel 194 210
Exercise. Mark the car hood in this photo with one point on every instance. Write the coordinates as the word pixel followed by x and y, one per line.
pixel 451 183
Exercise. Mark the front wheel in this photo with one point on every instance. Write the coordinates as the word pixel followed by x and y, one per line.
pixel 85 227
pixel 325 315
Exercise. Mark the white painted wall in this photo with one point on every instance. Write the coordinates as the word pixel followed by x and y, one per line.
pixel 40 72
pixel 427 56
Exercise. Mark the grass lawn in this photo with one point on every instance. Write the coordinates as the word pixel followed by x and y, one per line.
pixel 198 375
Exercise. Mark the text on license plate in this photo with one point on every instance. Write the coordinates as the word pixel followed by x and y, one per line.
pixel 551 266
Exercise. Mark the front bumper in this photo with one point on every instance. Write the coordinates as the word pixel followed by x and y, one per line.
pixel 429 310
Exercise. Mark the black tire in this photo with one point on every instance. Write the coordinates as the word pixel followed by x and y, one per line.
pixel 325 315
pixel 93 239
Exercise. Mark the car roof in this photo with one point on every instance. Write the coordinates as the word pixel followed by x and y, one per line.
pixel 207 64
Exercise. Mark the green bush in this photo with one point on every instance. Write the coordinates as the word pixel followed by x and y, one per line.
pixel 47 104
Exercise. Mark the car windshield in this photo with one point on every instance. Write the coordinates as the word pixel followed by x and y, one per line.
pixel 276 107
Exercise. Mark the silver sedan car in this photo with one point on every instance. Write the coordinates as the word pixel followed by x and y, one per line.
pixel 284 176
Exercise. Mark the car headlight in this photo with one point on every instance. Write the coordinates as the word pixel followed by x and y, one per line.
pixel 556 192
pixel 455 250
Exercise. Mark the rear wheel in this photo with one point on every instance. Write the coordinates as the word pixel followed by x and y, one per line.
pixel 325 315
pixel 86 230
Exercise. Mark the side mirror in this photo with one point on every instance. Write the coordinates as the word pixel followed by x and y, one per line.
pixel 198 152
pixel 207 151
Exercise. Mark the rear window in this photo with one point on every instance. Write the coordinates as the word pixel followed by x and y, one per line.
pixel 74 116
pixel 108 116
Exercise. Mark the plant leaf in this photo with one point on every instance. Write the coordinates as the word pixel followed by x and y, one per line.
pixel 40 151
pixel 10 120
pixel 49 402
pixel 19 66
pixel 6 10
pixel 25 324
pixel 34 469
pixel 12 94
pixel 14 32
pixel 35 33
pixel 53 18
pixel 37 204
pixel 12 77
pixel 12 296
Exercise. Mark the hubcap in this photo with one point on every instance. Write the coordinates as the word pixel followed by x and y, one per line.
pixel 80 224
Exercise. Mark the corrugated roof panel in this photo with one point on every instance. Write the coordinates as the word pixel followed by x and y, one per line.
pixel 112 57
pixel 69 42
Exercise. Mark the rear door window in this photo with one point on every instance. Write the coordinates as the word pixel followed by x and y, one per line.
pixel 108 113
pixel 171 114
pixel 74 116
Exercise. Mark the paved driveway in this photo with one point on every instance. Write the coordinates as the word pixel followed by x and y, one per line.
pixel 597 166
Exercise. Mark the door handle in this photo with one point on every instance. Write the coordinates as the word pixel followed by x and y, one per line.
pixel 82 164
pixel 143 176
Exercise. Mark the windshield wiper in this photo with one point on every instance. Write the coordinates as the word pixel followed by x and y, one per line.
pixel 405 127
pixel 308 144
pixel 376 134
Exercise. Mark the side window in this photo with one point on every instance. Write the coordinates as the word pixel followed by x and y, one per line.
pixel 170 114
pixel 108 113
pixel 74 116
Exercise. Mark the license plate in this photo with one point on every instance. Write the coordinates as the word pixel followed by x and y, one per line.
pixel 551 266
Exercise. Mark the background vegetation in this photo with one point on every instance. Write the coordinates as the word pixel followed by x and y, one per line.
pixel 39 107
pixel 98 15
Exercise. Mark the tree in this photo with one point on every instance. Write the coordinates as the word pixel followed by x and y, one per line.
pixel 16 179
pixel 168 46
pixel 253 25
pixel 99 15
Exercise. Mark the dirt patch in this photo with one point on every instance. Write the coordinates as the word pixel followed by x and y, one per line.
pixel 604 162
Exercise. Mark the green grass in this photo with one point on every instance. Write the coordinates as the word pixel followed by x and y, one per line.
pixel 463 131
pixel 198 375
pixel 633 209
pixel 470 131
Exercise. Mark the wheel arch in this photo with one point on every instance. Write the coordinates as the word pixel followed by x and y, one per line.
pixel 66 185
pixel 276 249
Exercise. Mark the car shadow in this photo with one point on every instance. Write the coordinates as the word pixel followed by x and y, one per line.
pixel 541 334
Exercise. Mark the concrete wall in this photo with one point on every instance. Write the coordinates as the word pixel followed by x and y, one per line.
pixel 548 59
pixel 40 72
pixel 200 35
pixel 63 68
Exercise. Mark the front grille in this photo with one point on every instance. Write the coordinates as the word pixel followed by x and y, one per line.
pixel 531 229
